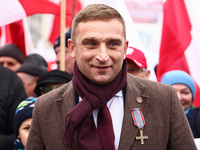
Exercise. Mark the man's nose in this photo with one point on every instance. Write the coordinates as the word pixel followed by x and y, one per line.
pixel 5 64
pixel 102 53
pixel 58 58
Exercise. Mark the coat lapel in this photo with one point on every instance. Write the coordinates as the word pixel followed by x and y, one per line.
pixel 66 102
pixel 134 99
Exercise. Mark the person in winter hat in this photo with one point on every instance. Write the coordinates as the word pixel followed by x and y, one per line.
pixel 185 89
pixel 51 80
pixel 33 66
pixel 11 57
pixel 69 60
pixel 22 122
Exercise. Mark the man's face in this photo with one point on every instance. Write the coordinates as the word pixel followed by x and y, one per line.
pixel 10 63
pixel 29 82
pixel 69 60
pixel 99 49
pixel 136 71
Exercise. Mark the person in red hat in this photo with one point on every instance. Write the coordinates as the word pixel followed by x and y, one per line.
pixel 137 64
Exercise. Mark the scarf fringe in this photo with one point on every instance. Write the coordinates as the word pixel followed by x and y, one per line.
pixel 70 128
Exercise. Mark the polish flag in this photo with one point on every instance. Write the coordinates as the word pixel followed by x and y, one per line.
pixel 177 50
pixel 14 10
pixel 17 33
pixel 73 7
pixel 12 27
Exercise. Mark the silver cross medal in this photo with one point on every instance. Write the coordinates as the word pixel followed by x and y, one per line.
pixel 141 137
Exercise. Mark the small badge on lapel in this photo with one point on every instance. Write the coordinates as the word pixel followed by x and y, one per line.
pixel 139 122
pixel 139 100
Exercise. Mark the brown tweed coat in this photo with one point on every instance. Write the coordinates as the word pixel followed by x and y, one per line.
pixel 166 124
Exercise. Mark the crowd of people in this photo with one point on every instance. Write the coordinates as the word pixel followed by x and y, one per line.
pixel 104 98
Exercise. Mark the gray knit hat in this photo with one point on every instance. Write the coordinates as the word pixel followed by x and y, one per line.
pixel 11 50
pixel 34 64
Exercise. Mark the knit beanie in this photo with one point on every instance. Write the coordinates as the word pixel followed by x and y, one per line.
pixel 52 77
pixel 67 36
pixel 179 77
pixel 23 112
pixel 34 64
pixel 10 50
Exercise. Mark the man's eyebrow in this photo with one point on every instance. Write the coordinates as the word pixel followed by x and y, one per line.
pixel 114 40
pixel 88 39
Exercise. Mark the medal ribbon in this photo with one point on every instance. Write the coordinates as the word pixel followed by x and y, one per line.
pixel 138 117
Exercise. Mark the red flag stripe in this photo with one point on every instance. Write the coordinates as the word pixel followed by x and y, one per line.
pixel 41 6
pixel 175 35
pixel 73 6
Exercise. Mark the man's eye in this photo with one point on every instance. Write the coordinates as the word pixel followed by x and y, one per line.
pixel 11 64
pixel 91 43
pixel 113 44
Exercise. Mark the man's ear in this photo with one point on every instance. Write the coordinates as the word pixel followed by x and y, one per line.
pixel 148 74
pixel 71 48
pixel 125 48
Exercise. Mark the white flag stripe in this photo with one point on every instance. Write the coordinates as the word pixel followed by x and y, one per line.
pixel 3 36
pixel 10 11
pixel 193 51
pixel 28 39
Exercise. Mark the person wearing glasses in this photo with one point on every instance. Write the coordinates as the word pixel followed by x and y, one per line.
pixel 137 64
pixel 51 80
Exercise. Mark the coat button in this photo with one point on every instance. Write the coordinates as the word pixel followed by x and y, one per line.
pixel 139 100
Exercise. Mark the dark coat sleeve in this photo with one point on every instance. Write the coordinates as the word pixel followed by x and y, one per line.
pixel 12 92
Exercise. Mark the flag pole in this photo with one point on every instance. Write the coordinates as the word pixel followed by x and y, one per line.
pixel 62 35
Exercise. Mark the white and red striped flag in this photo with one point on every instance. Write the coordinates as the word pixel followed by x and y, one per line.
pixel 175 42
pixel 73 7
pixel 12 24
pixel 14 10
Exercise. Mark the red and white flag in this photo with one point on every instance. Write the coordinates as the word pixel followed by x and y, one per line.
pixel 17 33
pixel 12 24
pixel 73 7
pixel 14 10
pixel 176 42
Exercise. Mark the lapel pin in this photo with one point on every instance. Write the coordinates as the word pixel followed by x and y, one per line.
pixel 139 100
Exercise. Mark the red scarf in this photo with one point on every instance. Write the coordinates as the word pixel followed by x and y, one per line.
pixel 93 96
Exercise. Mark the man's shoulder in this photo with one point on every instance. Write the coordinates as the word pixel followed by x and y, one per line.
pixel 136 81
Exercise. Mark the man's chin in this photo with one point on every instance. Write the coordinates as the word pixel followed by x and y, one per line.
pixel 102 80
